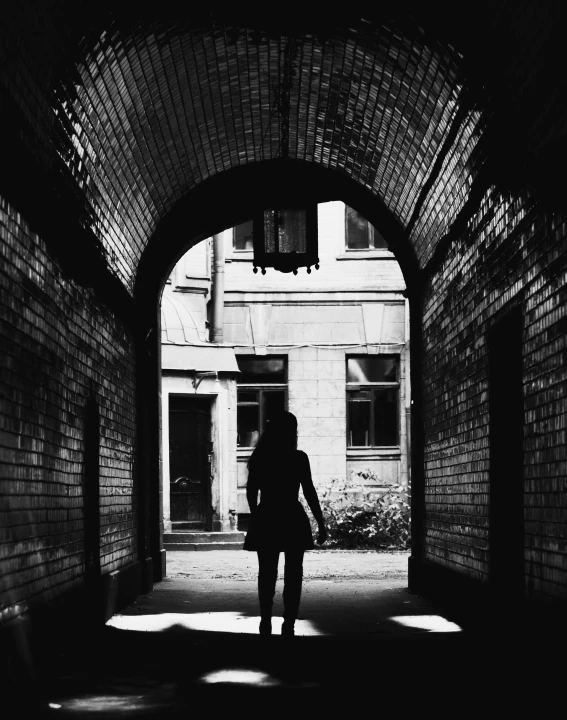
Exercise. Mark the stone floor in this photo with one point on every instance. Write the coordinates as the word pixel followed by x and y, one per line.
pixel 318 564
pixel 344 593
pixel 364 644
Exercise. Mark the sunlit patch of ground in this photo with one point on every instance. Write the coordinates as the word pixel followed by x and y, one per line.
pixel 98 704
pixel 433 623
pixel 226 622
pixel 240 676
pixel 117 697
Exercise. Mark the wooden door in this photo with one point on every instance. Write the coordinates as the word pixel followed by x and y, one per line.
pixel 189 466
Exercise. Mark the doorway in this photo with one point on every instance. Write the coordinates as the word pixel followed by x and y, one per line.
pixel 506 407
pixel 189 464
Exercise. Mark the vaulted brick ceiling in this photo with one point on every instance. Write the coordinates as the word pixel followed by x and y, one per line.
pixel 138 111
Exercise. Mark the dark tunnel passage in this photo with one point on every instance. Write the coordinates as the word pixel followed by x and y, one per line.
pixel 129 134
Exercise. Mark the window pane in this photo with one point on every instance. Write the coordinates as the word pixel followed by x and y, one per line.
pixel 358 419
pixel 247 397
pixel 373 368
pixel 274 403
pixel 292 231
pixel 247 419
pixel 242 236
pixel 356 230
pixel 270 217
pixel 386 416
pixel 261 370
pixel 290 228
pixel 377 239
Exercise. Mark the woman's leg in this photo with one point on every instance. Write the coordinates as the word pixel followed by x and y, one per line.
pixel 267 577
pixel 293 577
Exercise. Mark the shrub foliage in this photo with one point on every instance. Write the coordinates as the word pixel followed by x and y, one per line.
pixel 358 519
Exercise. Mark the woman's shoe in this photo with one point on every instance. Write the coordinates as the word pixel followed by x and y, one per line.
pixel 288 628
pixel 266 626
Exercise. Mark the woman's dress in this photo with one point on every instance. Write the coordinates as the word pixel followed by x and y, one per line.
pixel 279 521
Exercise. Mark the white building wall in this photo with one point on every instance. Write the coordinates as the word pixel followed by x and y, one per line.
pixel 339 270
pixel 352 305
pixel 317 398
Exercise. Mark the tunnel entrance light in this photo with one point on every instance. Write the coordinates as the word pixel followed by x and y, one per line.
pixel 286 239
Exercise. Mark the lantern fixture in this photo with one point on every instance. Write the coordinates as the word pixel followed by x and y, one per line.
pixel 286 239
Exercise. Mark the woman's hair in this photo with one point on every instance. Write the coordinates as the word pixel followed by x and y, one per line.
pixel 278 438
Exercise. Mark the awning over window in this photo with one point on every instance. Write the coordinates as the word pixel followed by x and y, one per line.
pixel 200 358
pixel 179 324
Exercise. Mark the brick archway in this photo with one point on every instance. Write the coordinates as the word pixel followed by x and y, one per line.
pixel 220 203
pixel 449 136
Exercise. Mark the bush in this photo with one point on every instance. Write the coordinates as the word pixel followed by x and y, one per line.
pixel 356 519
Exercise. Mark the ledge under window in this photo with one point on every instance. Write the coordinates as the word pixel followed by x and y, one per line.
pixel 380 254
pixel 241 256
pixel 390 453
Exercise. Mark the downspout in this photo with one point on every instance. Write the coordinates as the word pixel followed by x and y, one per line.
pixel 216 336
pixel 217 290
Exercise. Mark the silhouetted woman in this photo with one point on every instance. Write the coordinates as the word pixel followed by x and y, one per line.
pixel 279 523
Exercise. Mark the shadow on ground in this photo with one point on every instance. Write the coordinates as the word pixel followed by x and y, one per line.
pixel 192 647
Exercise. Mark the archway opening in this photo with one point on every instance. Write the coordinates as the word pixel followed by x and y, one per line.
pixel 362 450
pixel 332 348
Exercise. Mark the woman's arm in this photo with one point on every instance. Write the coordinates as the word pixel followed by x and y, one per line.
pixel 252 488
pixel 310 494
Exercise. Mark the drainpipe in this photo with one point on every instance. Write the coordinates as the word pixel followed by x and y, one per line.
pixel 217 290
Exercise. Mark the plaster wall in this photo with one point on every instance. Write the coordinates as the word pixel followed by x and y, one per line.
pixel 317 397
pixel 352 305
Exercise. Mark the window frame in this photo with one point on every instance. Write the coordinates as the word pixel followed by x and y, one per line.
pixel 369 232
pixel 262 389
pixel 372 386
pixel 246 252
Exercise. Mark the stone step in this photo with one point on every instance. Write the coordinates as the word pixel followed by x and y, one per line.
pixel 180 536
pixel 191 525
pixel 190 547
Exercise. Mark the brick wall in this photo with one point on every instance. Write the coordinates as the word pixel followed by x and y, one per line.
pixel 59 346
pixel 510 252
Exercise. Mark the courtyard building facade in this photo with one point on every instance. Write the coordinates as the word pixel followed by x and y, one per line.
pixel 332 347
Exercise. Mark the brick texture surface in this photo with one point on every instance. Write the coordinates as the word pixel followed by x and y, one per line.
pixel 509 251
pixel 124 119
pixel 59 346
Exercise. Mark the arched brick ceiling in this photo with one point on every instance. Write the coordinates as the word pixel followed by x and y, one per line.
pixel 142 112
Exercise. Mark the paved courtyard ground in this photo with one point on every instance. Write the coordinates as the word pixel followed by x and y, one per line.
pixel 318 564
pixel 344 593
pixel 364 645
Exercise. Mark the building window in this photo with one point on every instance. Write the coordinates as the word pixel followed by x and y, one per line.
pixel 261 393
pixel 242 236
pixel 373 401
pixel 360 234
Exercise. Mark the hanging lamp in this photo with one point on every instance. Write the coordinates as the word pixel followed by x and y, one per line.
pixel 286 239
